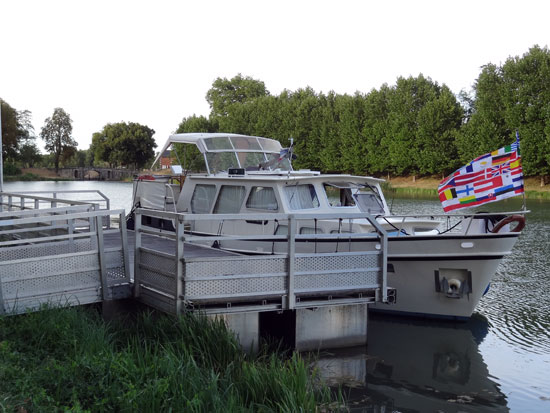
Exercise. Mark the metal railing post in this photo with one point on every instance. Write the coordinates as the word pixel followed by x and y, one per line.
pixel 384 266
pixel 137 247
pixel 291 302
pixel 101 257
pixel 180 263
pixel 2 311
pixel 125 252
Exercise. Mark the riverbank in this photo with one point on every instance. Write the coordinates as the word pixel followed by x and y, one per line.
pixel 70 359
pixel 427 186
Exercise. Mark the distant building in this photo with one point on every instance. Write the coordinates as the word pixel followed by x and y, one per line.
pixel 166 160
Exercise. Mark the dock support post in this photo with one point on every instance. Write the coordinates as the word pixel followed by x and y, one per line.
pixel 329 327
pixel 246 327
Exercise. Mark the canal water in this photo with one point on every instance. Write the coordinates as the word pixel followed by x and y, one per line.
pixel 499 361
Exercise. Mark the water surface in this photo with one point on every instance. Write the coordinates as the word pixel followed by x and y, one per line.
pixel 497 362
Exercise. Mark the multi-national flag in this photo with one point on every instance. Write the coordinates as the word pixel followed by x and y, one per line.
pixel 488 178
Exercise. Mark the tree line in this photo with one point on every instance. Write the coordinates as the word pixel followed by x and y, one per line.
pixel 123 144
pixel 415 127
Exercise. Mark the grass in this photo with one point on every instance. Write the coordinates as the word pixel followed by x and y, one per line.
pixel 71 360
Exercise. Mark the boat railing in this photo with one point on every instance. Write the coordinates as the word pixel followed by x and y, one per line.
pixel 452 223
pixel 287 279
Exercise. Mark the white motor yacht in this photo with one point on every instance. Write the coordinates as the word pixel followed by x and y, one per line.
pixel 440 266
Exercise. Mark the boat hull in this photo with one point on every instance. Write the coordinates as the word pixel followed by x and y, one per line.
pixel 437 277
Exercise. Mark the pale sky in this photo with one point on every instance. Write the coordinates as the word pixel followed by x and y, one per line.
pixel 152 62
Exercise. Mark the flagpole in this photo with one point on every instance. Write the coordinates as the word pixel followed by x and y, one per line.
pixel 524 203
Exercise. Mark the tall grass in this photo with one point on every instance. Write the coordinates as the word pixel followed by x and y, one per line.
pixel 71 360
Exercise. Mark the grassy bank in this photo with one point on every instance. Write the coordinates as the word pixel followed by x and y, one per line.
pixel 71 360
pixel 427 187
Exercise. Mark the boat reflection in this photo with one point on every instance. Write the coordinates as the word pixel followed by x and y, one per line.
pixel 413 365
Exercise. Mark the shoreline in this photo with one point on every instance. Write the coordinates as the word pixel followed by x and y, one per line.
pixel 427 186
pixel 402 185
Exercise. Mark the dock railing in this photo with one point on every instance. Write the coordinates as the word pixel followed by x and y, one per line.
pixel 58 256
pixel 296 274
pixel 23 200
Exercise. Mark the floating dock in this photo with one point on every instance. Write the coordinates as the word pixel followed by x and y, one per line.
pixel 63 252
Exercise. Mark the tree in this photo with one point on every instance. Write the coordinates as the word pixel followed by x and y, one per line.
pixel 124 144
pixel 29 155
pixel 16 129
pixel 57 132
pixel 239 89
pixel 195 124
pixel 510 97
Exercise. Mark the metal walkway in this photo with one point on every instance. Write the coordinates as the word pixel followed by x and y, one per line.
pixel 63 252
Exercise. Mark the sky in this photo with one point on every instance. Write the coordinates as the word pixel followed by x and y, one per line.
pixel 152 62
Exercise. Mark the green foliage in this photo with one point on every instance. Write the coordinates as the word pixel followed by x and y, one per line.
pixel 29 155
pixel 225 93
pixel 407 128
pixel 69 359
pixel 510 97
pixel 124 144
pixel 16 129
pixel 10 168
pixel 57 134
pixel 195 124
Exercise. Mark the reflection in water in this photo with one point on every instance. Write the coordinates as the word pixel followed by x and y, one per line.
pixel 416 365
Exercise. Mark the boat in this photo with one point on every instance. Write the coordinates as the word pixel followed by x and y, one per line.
pixel 440 266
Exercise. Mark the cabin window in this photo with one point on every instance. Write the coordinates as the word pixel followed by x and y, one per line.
pixel 339 195
pixel 230 199
pixel 262 197
pixel 302 196
pixel 202 199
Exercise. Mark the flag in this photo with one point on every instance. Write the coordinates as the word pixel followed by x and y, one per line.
pixel 488 178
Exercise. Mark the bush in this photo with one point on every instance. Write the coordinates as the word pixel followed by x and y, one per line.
pixel 11 169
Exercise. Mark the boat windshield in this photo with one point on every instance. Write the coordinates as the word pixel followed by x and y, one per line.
pixel 369 199
pixel 248 152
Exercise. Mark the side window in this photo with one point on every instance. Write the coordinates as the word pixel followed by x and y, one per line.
pixel 262 197
pixel 339 197
pixel 229 200
pixel 202 199
pixel 301 196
